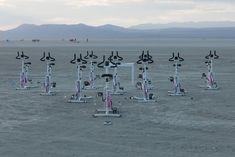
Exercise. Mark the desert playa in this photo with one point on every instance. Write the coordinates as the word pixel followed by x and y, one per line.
pixel 201 123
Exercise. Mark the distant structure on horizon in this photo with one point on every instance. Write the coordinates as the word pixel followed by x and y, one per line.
pixel 36 40
pixel 74 40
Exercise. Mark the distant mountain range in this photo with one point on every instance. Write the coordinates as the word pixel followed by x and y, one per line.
pixel 82 31
pixel 150 26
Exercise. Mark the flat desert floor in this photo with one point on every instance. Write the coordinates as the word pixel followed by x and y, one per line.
pixel 200 124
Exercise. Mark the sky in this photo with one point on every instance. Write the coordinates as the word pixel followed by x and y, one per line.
pixel 118 12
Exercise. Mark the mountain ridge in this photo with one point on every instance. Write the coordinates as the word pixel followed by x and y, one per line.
pixel 206 24
pixel 65 31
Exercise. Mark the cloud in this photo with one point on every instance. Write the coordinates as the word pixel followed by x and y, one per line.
pixel 119 12
pixel 206 11
pixel 88 3
pixel 61 20
pixel 5 3
pixel 2 2
pixel 126 13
